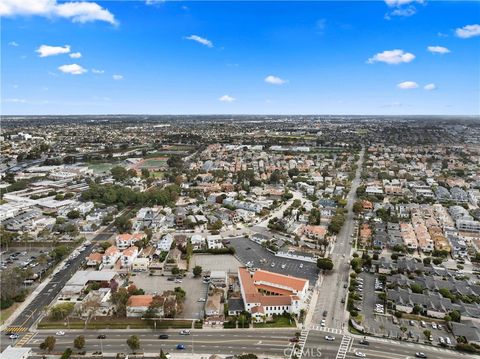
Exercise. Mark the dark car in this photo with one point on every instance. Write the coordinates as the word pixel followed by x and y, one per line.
pixel 102 336
pixel 294 340
pixel 364 342
pixel 325 313
pixel 170 279
pixel 180 347
pixel 163 336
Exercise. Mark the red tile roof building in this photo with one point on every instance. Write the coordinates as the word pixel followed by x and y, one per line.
pixel 266 293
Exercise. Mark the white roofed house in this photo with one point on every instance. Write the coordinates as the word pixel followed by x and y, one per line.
pixel 126 240
pixel 214 242
pixel 165 243
pixel 197 241
pixel 128 256
pixel 110 256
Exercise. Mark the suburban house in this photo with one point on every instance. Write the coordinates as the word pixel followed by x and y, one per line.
pixel 110 256
pixel 128 256
pixel 126 240
pixel 137 305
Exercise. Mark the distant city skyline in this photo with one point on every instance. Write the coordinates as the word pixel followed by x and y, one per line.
pixel 393 57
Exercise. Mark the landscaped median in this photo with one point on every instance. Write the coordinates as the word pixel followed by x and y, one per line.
pixel 114 323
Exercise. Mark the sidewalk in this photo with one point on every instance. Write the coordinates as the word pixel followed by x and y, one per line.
pixel 32 295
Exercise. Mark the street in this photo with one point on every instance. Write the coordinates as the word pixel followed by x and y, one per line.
pixel 332 288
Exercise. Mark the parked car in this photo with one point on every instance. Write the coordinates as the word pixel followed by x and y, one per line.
pixel 329 338
pixel 420 355
pixel 201 300
pixel 325 313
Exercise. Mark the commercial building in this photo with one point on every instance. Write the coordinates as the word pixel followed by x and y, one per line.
pixel 265 293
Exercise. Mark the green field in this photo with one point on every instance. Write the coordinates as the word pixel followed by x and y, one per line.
pixel 101 167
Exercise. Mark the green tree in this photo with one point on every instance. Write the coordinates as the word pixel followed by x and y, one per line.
pixel 119 173
pixel 197 271
pixel 123 224
pixel 133 343
pixel 145 173
pixel 416 288
pixel 358 207
pixel 427 333
pixel 79 342
pixel 455 316
pixel 325 263
pixel 48 344
pixel 66 354
pixel 73 214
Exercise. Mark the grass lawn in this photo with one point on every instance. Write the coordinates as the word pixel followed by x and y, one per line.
pixel 6 313
pixel 100 167
pixel 278 322
pixel 114 323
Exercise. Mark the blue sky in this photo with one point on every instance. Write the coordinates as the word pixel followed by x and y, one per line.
pixel 154 57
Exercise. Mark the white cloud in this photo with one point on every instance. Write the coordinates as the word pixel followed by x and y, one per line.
pixel 405 12
pixel 468 31
pixel 46 50
pixel 13 43
pixel 200 40
pixel 430 87
pixel 78 11
pixel 96 71
pixel 75 55
pixel 274 80
pixel 15 100
pixel 226 98
pixel 438 50
pixel 117 77
pixel 392 57
pixel 154 2
pixel 393 3
pixel 407 85
pixel 73 69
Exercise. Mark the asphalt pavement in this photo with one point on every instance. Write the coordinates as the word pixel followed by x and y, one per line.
pixel 34 310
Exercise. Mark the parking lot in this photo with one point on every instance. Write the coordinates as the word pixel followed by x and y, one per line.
pixel 194 288
pixel 381 324
pixel 226 263
pixel 249 251
pixel 25 258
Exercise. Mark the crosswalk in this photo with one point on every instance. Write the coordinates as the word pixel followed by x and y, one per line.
pixel 16 329
pixel 25 339
pixel 325 329
pixel 298 352
pixel 344 347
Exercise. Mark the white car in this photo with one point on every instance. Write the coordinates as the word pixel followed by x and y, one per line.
pixel 329 338
pixel 201 300
pixel 283 266
pixel 185 332
pixel 322 323
pixel 60 333
pixel 360 355
pixel 434 325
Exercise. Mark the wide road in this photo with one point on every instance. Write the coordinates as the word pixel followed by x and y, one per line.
pixel 267 342
pixel 332 288
pixel 33 311
pixel 379 349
